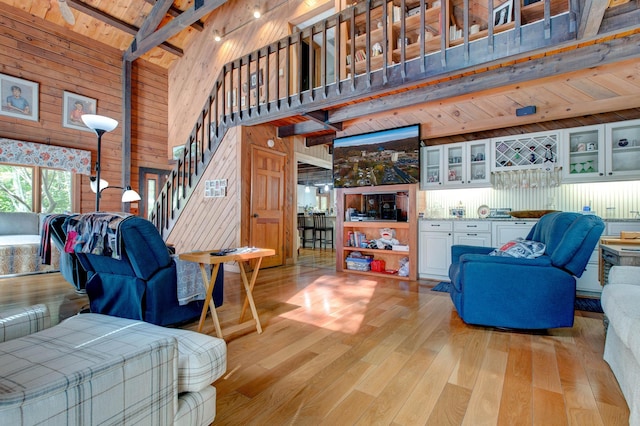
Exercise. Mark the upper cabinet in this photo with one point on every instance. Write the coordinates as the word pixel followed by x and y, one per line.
pixel 464 164
pixel 528 151
pixel 602 152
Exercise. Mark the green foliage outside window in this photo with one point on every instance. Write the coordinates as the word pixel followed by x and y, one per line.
pixel 16 189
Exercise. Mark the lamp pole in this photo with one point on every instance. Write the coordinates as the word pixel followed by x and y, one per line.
pixel 99 132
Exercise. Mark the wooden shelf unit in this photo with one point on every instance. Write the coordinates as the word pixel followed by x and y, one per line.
pixel 406 232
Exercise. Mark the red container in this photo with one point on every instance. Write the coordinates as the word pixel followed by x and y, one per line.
pixel 378 265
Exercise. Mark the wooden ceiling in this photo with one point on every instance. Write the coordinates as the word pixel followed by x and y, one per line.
pixel 116 22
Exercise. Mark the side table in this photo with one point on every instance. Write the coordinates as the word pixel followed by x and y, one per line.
pixel 613 255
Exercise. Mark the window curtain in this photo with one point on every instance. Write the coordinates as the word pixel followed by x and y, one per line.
pixel 37 154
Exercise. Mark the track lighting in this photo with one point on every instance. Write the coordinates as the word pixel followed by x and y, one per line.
pixel 256 12
pixel 217 36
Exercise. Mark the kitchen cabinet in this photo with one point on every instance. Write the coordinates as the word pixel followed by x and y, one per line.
pixel 434 249
pixel 371 209
pixel 463 164
pixel 522 152
pixel 622 144
pixel 584 154
pixel 602 152
pixel 504 231
pixel 472 233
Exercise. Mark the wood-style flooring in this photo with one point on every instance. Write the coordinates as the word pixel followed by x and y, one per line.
pixel 345 349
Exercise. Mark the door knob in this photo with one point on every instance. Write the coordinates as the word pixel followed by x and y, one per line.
pixel 255 215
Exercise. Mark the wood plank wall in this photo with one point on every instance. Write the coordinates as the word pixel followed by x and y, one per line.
pixel 192 77
pixel 59 60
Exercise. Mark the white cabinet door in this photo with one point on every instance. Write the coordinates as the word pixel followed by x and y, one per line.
pixel 477 163
pixel 613 228
pixel 623 149
pixel 480 239
pixel 503 232
pixel 583 154
pixel 454 158
pixel 432 167
pixel 434 254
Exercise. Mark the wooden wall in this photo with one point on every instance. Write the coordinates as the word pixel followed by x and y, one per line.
pixel 60 60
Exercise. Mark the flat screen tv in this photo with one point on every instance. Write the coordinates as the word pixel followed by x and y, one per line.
pixel 386 157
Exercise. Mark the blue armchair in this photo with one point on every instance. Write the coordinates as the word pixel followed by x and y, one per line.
pixel 523 293
pixel 142 284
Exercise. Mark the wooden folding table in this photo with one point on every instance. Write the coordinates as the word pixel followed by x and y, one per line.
pixel 242 257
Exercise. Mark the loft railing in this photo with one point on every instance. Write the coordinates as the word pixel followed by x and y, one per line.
pixel 373 47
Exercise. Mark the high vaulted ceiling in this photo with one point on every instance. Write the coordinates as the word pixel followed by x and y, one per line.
pixel 167 24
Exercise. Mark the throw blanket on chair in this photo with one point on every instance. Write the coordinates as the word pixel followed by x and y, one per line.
pixel 96 233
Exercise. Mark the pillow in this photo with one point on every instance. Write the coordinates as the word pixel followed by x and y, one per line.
pixel 520 248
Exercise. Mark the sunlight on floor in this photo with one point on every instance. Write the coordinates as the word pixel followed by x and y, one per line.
pixel 334 307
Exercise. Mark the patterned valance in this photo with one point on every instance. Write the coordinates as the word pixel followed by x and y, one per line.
pixel 37 154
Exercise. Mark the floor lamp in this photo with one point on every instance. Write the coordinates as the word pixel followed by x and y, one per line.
pixel 99 124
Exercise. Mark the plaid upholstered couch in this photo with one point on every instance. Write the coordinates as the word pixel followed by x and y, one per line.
pixel 97 369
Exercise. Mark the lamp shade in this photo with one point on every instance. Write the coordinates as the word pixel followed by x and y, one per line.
pixel 94 186
pixel 99 122
pixel 129 195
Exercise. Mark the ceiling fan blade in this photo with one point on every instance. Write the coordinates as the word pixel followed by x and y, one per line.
pixel 65 10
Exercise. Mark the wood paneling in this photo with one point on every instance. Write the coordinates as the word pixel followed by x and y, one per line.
pixel 61 60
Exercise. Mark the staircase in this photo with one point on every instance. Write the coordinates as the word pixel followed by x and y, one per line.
pixel 273 84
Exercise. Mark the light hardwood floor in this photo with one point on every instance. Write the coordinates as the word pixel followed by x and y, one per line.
pixel 343 349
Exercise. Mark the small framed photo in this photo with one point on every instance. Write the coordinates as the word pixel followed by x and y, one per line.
pixel 255 79
pixel 73 107
pixel 178 152
pixel 19 98
pixel 502 14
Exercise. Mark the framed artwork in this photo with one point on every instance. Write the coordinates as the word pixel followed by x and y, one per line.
pixel 255 79
pixel 502 14
pixel 19 97
pixel 73 107
pixel 178 152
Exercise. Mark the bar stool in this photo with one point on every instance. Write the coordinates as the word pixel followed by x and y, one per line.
pixel 320 230
pixel 302 231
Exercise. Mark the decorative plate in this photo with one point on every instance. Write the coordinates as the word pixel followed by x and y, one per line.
pixel 483 211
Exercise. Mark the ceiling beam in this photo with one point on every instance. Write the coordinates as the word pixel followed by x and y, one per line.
pixel 174 11
pixel 154 18
pixel 172 28
pixel 322 117
pixel 303 128
pixel 591 18
pixel 320 140
pixel 116 23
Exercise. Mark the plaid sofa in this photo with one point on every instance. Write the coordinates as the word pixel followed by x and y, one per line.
pixel 98 369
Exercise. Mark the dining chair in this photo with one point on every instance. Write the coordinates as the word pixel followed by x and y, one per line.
pixel 302 231
pixel 320 230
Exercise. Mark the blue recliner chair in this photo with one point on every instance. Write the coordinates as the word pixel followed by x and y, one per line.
pixel 142 284
pixel 521 293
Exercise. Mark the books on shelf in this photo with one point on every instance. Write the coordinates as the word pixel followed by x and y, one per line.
pixel 357 239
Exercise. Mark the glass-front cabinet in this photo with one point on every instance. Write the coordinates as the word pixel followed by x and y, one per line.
pixel 456 165
pixel 602 152
pixel 584 153
pixel 431 159
pixel 623 146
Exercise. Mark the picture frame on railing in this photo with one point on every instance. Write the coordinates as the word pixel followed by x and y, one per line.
pixel 503 13
pixel 178 152
pixel 19 98
pixel 73 107
pixel 255 79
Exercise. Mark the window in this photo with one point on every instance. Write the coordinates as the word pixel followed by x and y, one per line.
pixel 17 185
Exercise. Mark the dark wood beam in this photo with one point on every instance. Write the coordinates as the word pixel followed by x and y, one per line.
pixel 154 18
pixel 174 11
pixel 304 128
pixel 121 25
pixel 322 117
pixel 320 140
pixel 172 28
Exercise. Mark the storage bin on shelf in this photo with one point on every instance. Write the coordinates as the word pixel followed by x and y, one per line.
pixel 359 263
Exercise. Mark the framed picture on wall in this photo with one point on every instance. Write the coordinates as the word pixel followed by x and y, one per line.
pixel 19 97
pixel 502 14
pixel 73 107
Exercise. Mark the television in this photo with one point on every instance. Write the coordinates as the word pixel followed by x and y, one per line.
pixel 386 157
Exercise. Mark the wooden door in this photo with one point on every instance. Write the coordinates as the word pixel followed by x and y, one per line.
pixel 267 203
pixel 150 184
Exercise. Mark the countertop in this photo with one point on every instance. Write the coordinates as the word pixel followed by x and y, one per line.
pixel 513 219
